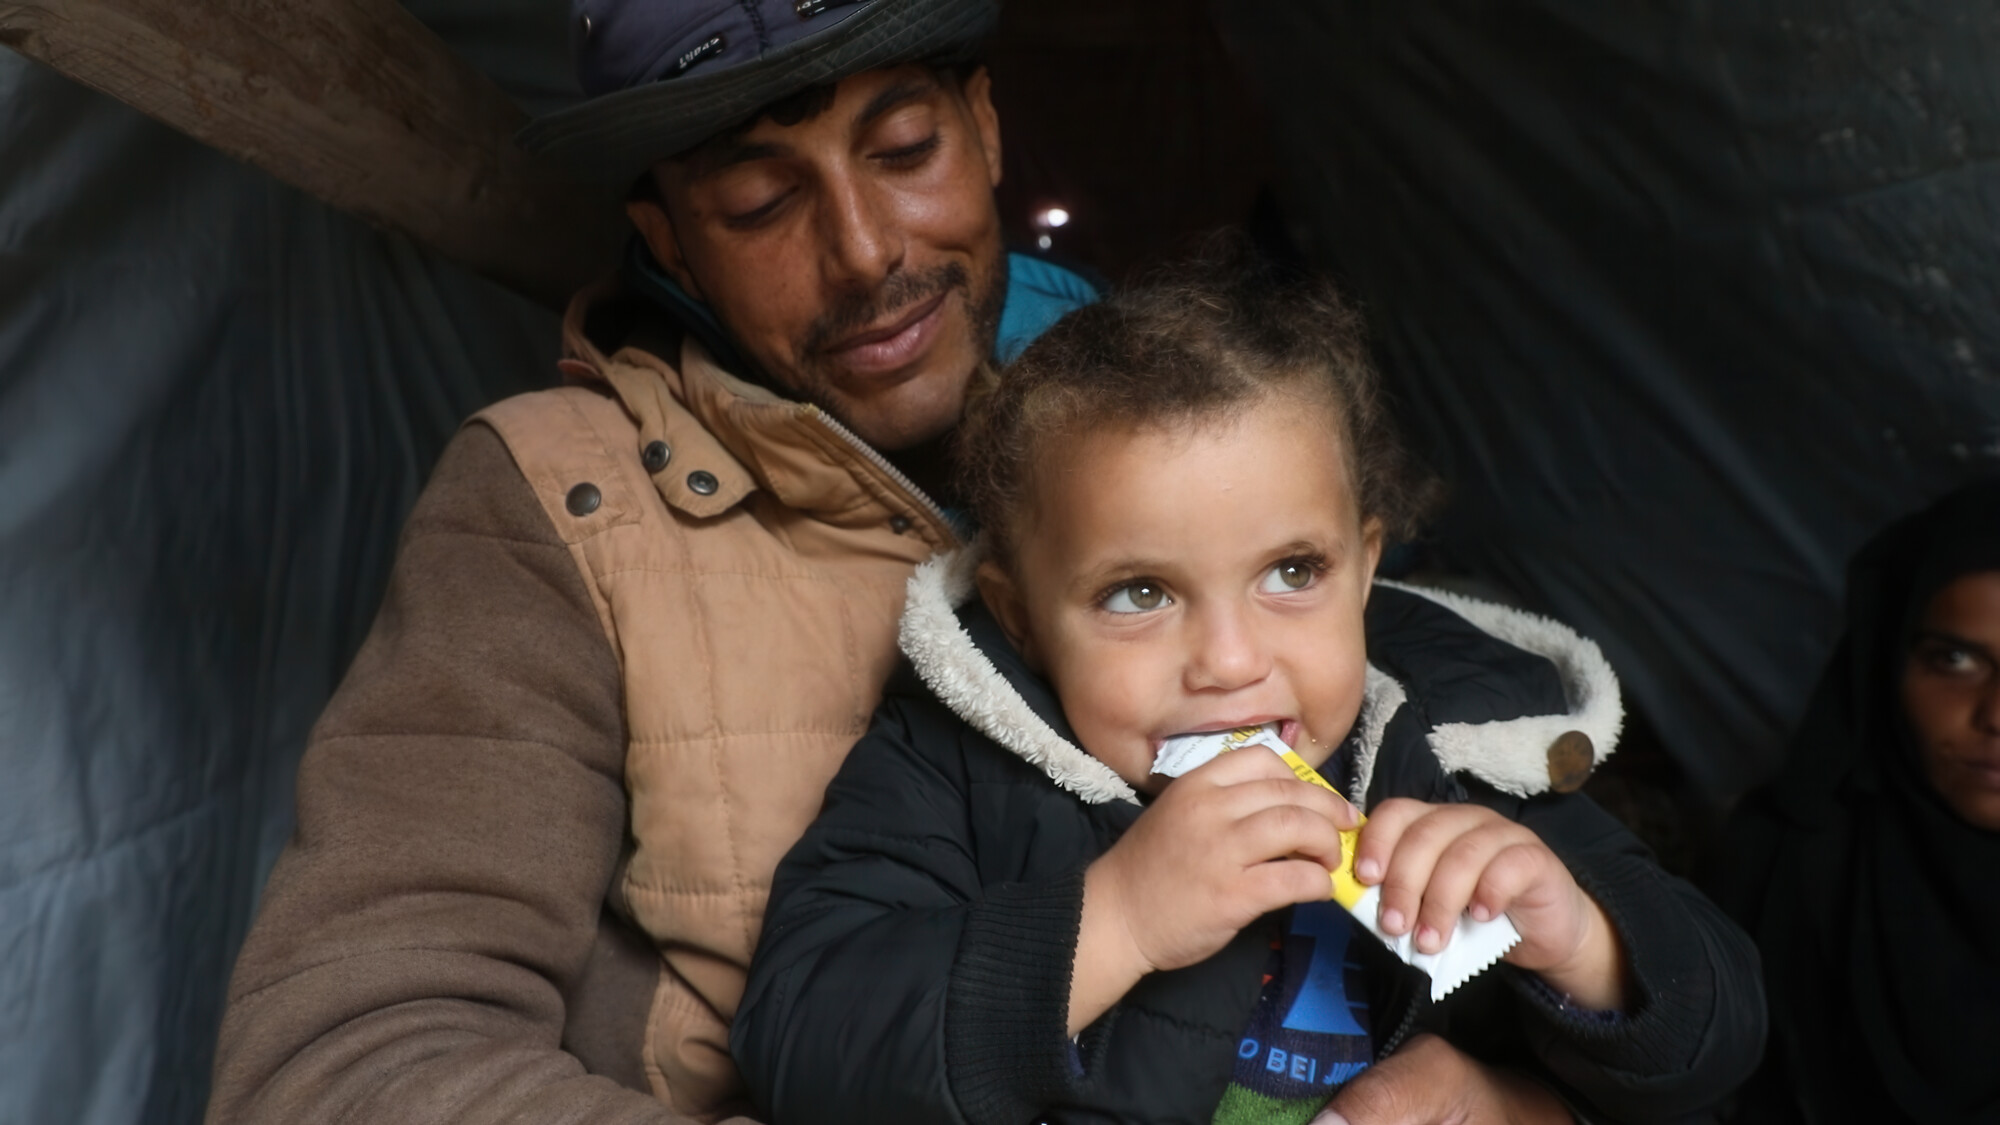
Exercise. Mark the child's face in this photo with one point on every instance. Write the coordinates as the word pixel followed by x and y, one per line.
pixel 1169 582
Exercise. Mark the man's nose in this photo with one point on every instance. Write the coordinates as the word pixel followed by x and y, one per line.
pixel 863 243
pixel 1227 651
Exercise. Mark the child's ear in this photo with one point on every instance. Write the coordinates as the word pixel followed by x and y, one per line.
pixel 1003 599
pixel 1372 534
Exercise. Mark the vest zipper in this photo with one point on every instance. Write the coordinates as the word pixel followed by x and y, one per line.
pixel 874 458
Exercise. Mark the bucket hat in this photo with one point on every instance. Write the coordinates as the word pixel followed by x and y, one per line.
pixel 661 76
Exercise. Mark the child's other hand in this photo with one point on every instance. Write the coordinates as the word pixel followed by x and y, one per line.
pixel 1221 847
pixel 1435 862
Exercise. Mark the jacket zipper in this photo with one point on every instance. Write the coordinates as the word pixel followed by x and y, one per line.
pixel 1402 1031
pixel 869 454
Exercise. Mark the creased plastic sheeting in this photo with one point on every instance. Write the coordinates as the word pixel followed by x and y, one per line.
pixel 218 400
pixel 1683 298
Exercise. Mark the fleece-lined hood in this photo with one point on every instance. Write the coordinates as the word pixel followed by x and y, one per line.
pixel 981 679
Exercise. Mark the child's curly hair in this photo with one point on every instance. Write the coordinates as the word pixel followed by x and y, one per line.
pixel 1203 339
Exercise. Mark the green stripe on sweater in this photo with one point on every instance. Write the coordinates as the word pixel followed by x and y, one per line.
pixel 1248 1107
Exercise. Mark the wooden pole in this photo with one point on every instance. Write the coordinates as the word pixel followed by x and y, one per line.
pixel 352 101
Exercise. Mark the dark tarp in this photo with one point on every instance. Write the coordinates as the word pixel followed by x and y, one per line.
pixel 1684 298
pixel 218 400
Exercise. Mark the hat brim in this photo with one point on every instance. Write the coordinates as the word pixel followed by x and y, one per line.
pixel 612 139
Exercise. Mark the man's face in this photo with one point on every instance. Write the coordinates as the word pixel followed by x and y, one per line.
pixel 855 255
pixel 1951 691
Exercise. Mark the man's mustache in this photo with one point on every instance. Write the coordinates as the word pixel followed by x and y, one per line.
pixel 897 292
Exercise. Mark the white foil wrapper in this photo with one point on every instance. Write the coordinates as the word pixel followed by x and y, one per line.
pixel 1472 947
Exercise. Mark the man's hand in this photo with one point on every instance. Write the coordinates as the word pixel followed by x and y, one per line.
pixel 1430 1082
pixel 1221 847
pixel 1436 862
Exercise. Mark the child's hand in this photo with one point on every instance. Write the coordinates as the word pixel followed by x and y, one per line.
pixel 1221 847
pixel 1435 862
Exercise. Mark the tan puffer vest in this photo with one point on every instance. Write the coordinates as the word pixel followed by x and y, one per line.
pixel 748 558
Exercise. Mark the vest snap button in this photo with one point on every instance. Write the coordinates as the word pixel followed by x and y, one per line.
pixel 655 456
pixel 899 524
pixel 703 482
pixel 583 499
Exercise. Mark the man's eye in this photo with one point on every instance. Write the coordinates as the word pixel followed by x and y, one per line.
pixel 751 216
pixel 1136 597
pixel 908 155
pixel 1292 574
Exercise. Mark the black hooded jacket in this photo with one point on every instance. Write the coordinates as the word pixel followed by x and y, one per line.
pixel 916 956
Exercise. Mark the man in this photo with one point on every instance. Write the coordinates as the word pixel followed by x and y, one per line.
pixel 637 622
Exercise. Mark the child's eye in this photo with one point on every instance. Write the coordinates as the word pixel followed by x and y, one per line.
pixel 1136 597
pixel 1292 574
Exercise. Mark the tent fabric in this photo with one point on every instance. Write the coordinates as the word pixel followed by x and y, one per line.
pixel 1683 299
pixel 218 400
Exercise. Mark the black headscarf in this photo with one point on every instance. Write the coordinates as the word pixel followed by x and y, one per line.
pixel 1876 909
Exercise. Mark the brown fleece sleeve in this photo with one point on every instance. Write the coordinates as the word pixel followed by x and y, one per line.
pixel 460 810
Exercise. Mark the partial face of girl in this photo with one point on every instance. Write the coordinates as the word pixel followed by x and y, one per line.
pixel 1951 692
pixel 1198 579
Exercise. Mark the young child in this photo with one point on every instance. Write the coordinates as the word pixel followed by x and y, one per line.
pixel 1003 915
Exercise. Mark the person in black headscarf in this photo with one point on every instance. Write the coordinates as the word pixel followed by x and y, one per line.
pixel 1869 871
